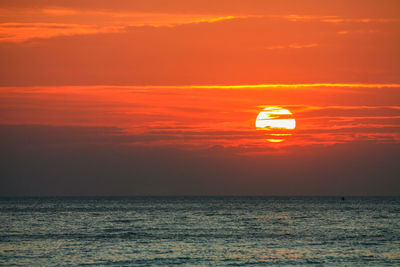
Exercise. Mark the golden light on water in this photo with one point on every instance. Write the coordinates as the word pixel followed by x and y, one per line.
pixel 278 120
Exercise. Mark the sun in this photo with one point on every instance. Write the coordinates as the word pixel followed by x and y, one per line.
pixel 275 118
pixel 277 121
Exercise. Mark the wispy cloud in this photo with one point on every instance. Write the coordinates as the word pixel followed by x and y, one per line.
pixel 336 19
pixel 346 32
pixel 210 20
pixel 268 86
pixel 20 32
pixel 22 24
pixel 294 46
pixel 365 20
pixel 294 17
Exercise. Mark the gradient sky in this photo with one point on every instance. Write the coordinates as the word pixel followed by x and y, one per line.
pixel 161 97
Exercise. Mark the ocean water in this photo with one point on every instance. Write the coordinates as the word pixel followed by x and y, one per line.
pixel 210 231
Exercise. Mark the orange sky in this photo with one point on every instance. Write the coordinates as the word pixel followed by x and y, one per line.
pixel 192 76
pixel 191 42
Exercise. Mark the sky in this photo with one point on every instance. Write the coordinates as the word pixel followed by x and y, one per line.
pixel 162 97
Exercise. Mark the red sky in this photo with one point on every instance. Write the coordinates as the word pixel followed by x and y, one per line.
pixel 161 97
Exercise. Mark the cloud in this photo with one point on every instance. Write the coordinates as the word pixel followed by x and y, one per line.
pixel 346 32
pixel 294 45
pixel 210 20
pixel 270 86
pixel 166 115
pixel 46 160
pixel 52 22
pixel 294 17
pixel 363 20
pixel 336 19
pixel 20 32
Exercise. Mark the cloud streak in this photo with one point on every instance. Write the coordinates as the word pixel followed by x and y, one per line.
pixel 268 86
pixel 44 23
pixel 20 32
pixel 336 19
pixel 294 46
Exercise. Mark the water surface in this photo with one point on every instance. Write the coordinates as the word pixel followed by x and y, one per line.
pixel 215 231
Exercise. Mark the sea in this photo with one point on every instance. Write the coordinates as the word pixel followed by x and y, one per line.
pixel 199 231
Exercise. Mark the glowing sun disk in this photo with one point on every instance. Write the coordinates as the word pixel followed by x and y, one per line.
pixel 275 118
